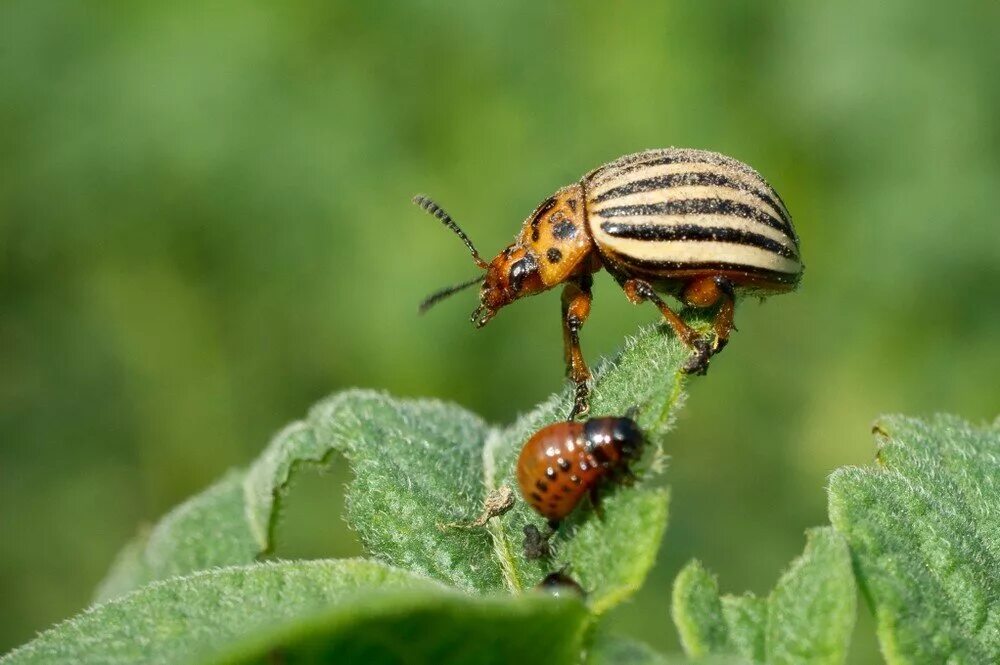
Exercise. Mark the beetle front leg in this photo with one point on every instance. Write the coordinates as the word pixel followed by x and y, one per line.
pixel 638 291
pixel 576 299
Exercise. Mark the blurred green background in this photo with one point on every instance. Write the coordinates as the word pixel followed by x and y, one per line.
pixel 205 227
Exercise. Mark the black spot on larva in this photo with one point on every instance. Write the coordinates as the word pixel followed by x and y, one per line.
pixel 553 504
pixel 584 466
pixel 564 230
pixel 563 464
pixel 599 455
pixel 575 479
pixel 550 473
pixel 536 496
pixel 542 485
pixel 572 204
pixel 553 255
pixel 534 227
pixel 567 489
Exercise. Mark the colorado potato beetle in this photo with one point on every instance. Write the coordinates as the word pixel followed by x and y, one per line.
pixel 696 225
pixel 563 461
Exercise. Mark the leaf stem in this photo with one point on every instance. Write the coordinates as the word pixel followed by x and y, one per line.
pixel 501 545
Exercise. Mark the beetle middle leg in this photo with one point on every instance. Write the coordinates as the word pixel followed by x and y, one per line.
pixel 576 299
pixel 638 291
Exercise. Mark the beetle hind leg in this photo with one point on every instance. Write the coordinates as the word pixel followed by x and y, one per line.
pixel 707 292
pixel 638 291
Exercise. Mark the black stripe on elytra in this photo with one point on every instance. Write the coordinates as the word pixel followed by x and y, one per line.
pixel 763 274
pixel 709 206
pixel 690 178
pixel 697 233
pixel 683 157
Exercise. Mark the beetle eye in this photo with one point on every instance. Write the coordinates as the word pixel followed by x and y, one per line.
pixel 518 271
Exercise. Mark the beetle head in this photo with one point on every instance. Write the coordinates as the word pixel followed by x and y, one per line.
pixel 511 275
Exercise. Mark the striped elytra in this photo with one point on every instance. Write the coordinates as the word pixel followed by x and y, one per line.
pixel 696 225
pixel 564 461
pixel 664 213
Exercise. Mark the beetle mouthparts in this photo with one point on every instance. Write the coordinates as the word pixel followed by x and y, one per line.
pixel 481 316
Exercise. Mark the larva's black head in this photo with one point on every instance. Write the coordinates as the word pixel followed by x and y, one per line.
pixel 614 438
pixel 559 584
pixel 628 437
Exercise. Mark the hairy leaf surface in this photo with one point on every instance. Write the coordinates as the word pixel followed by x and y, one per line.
pixel 924 529
pixel 422 469
pixel 807 618
pixel 314 611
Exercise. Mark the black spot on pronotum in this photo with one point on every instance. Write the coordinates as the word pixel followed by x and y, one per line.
pixel 553 255
pixel 564 230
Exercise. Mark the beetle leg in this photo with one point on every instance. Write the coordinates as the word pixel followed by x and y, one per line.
pixel 576 299
pixel 708 291
pixel 638 291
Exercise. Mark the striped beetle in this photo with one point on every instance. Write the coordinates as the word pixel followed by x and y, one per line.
pixel 694 224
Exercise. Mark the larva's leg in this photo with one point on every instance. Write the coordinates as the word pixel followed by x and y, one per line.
pixel 638 291
pixel 576 299
pixel 708 291
pixel 595 501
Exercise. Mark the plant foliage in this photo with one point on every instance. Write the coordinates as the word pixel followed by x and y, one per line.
pixel 924 528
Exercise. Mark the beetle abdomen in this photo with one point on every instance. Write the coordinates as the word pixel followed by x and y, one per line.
pixel 673 212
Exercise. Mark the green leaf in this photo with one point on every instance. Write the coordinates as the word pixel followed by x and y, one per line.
pixel 608 649
pixel 420 465
pixel 808 617
pixel 924 529
pixel 230 523
pixel 616 650
pixel 318 611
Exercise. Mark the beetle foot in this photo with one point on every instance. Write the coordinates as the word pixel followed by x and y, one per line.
pixel 581 402
pixel 698 362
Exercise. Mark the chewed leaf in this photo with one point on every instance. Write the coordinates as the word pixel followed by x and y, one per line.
pixel 421 467
pixel 418 465
pixel 924 529
pixel 316 611
pixel 230 523
pixel 807 618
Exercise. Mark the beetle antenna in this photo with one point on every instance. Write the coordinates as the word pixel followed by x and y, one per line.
pixel 436 210
pixel 438 296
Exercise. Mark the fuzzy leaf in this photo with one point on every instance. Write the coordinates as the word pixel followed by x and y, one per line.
pixel 228 524
pixel 924 529
pixel 608 649
pixel 318 611
pixel 420 465
pixel 808 617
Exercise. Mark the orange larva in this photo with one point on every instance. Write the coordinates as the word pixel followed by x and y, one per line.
pixel 566 460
